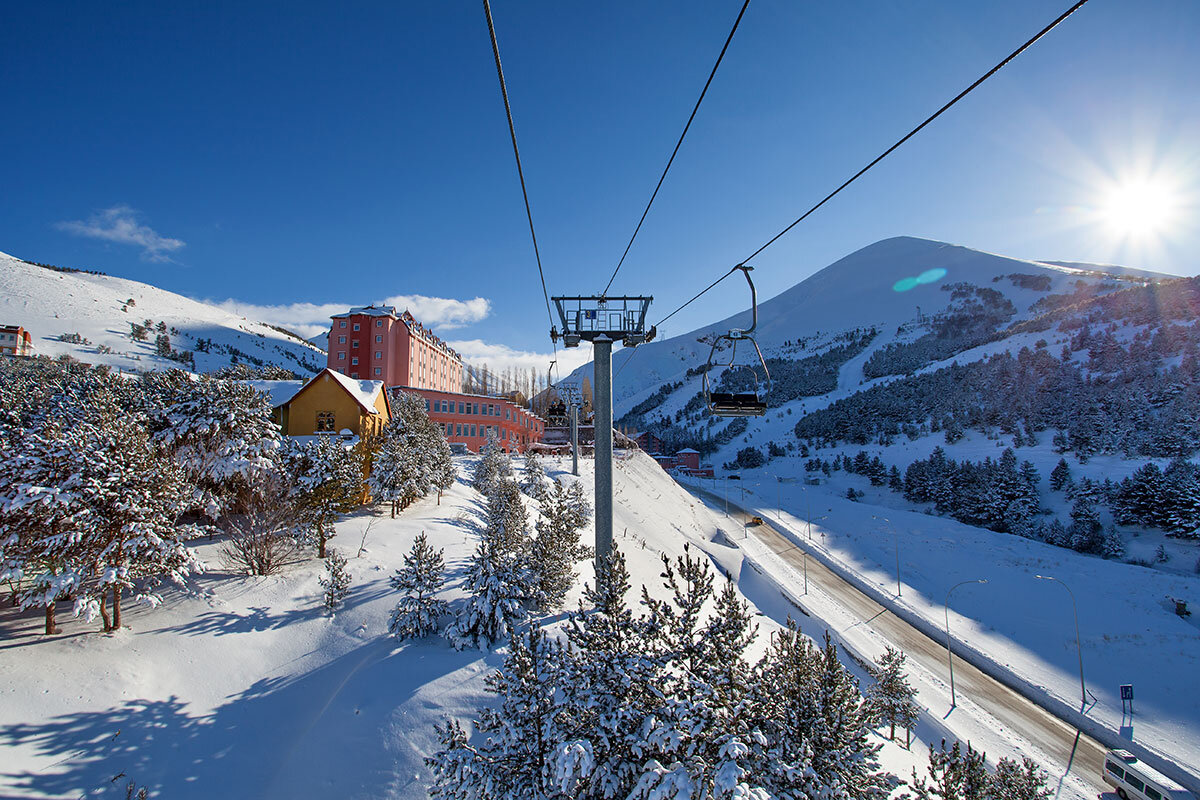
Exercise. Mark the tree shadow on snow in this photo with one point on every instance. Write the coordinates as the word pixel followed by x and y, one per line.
pixel 344 729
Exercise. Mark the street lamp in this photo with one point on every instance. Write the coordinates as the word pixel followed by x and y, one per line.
pixel 896 534
pixel 949 655
pixel 1078 648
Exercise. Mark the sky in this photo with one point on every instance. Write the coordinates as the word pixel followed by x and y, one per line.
pixel 293 159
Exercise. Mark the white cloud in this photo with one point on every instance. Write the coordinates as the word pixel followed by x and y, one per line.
pixel 312 319
pixel 501 357
pixel 120 224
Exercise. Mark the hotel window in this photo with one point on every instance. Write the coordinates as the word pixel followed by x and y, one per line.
pixel 460 407
pixel 342 324
pixel 354 342
pixel 458 429
pixel 378 371
pixel 378 323
pixel 379 354
pixel 353 374
pixel 449 428
pixel 341 356
pixel 378 339
pixel 341 340
pixel 354 361
pixel 326 423
pixel 356 326
pixel 472 430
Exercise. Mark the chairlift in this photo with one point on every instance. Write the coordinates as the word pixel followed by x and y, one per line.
pixel 744 403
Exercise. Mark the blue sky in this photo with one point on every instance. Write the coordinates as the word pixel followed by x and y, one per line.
pixel 320 154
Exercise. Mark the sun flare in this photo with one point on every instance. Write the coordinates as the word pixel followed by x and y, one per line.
pixel 1139 208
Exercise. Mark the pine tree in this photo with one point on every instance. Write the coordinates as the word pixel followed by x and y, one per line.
pixel 1023 781
pixel 556 550
pixel 329 482
pixel 419 610
pixel 493 466
pixel 891 698
pixel 954 774
pixel 499 579
pixel 533 483
pixel 336 582
pixel 1060 476
pixel 1086 532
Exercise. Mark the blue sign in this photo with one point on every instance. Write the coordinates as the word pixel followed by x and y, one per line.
pixel 1127 691
pixel 589 313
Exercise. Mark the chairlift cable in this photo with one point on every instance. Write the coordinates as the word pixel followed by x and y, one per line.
pixel 517 153
pixel 679 143
pixel 890 150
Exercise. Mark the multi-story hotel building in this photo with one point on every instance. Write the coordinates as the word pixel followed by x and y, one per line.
pixel 466 418
pixel 15 341
pixel 374 343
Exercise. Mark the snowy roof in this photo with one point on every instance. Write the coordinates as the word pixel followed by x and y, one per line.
pixel 279 391
pixel 370 311
pixel 365 392
pixel 687 450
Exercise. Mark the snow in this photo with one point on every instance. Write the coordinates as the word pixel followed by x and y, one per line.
pixel 48 303
pixel 279 391
pixel 245 686
pixel 1024 625
pixel 366 393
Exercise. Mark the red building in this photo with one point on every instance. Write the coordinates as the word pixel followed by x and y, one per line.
pixel 15 341
pixel 466 418
pixel 374 343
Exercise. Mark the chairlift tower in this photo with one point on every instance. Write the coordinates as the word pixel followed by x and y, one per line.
pixel 602 321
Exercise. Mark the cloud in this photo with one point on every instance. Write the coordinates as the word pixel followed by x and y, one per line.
pixel 312 319
pixel 120 224
pixel 501 357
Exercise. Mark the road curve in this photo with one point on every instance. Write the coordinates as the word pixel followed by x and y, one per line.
pixel 1076 752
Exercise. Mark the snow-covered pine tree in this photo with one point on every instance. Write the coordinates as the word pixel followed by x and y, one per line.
pixel 498 579
pixel 1086 532
pixel 953 773
pixel 1114 545
pixel 533 482
pixel 516 759
pixel 557 548
pixel 329 482
pixel 891 698
pixel 396 468
pixel 1023 781
pixel 420 579
pixel 1060 476
pixel 220 432
pixel 494 465
pixel 336 581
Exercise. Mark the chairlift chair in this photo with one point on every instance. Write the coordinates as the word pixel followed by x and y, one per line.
pixel 740 404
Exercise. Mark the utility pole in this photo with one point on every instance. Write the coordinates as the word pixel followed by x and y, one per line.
pixel 602 321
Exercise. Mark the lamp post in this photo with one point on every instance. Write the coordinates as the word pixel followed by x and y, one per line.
pixel 1078 648
pixel 895 534
pixel 949 654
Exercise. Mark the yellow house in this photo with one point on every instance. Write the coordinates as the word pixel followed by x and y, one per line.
pixel 332 403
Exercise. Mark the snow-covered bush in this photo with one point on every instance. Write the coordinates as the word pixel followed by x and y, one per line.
pixel 420 579
pixel 328 483
pixel 267 533
pixel 413 456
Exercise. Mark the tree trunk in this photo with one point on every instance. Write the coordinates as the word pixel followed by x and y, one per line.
pixel 51 628
pixel 104 612
pixel 439 502
pixel 907 737
pixel 116 606
pixel 320 541
pixel 393 509
pixel 892 734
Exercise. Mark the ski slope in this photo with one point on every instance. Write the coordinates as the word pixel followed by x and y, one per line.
pixel 49 303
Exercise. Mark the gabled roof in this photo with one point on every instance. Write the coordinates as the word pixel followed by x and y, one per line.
pixel 279 391
pixel 364 392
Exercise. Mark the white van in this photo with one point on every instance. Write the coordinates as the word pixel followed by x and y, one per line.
pixel 1134 780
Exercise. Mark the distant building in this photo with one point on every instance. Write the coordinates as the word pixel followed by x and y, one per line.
pixel 329 403
pixel 649 443
pixel 466 418
pixel 374 343
pixel 15 341
pixel 689 459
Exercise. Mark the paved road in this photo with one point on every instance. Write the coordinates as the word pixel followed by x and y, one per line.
pixel 1081 755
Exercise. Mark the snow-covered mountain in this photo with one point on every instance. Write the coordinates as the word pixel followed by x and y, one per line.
pixel 884 285
pixel 91 317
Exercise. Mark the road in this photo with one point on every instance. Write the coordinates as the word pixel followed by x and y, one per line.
pixel 1081 755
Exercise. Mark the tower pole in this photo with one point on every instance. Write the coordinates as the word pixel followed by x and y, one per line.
pixel 603 422
pixel 574 438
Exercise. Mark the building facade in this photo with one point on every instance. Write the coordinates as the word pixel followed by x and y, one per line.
pixel 375 343
pixel 15 341
pixel 466 418
pixel 331 403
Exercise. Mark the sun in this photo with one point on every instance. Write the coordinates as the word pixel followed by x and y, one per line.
pixel 1139 208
